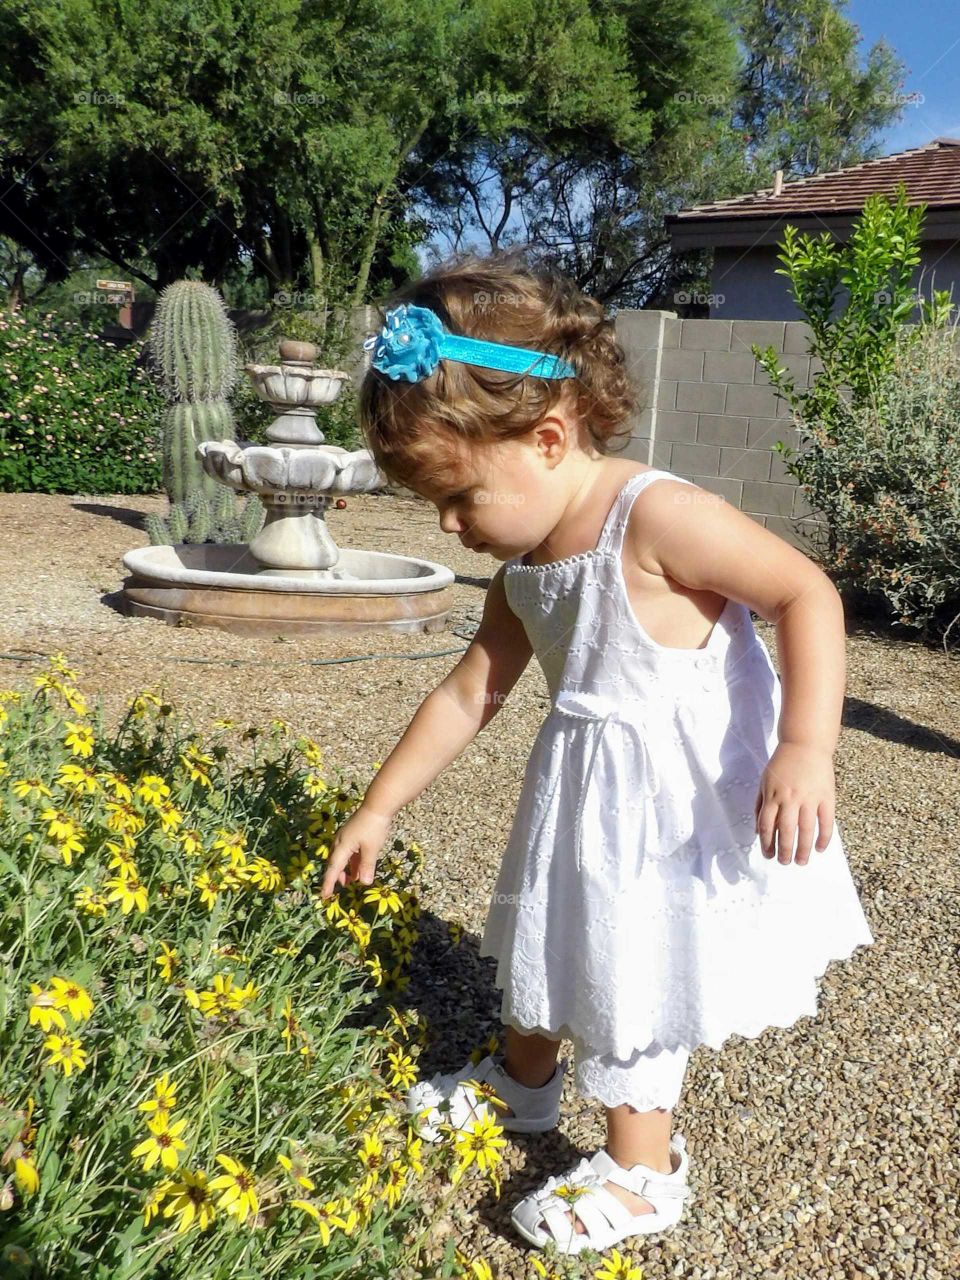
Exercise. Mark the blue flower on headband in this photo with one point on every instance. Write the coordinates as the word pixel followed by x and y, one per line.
pixel 408 345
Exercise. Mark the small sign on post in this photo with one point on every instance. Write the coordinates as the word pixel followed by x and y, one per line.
pixel 121 293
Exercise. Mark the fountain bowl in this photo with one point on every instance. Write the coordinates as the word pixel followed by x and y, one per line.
pixel 222 585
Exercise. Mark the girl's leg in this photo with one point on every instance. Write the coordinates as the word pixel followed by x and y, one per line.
pixel 530 1058
pixel 635 1135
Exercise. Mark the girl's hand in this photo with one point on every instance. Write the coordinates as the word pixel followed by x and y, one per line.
pixel 356 846
pixel 796 789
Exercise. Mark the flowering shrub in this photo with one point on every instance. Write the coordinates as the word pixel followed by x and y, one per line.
pixel 76 415
pixel 192 1084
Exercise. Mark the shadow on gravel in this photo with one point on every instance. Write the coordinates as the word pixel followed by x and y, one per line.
pixel 125 515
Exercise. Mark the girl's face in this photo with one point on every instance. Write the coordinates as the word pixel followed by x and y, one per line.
pixel 505 500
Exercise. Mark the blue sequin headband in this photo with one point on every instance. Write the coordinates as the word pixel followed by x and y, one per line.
pixel 413 342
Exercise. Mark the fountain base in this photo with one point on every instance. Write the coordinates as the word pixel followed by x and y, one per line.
pixel 222 585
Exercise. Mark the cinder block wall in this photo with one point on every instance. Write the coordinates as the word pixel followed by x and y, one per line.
pixel 712 415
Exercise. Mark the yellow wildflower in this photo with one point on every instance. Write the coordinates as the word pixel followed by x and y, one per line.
pixel 190 1197
pixel 192 842
pixel 239 1196
pixel 152 789
pixel 26 1176
pixel 25 787
pixel 65 1051
pixel 479 1141
pixel 232 844
pixel 618 1267
pixel 168 961
pixel 164 1096
pixel 86 900
pixel 44 1011
pixel 79 739
pixel 72 997
pixel 325 1216
pixel 129 892
pixel 76 778
pixel 118 784
pixel 209 885
pixel 164 1144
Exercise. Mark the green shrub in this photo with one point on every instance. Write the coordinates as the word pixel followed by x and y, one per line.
pixel 76 415
pixel 887 477
pixel 189 1087
pixel 877 425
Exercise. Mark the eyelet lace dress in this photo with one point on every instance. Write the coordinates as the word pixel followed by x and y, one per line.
pixel 634 907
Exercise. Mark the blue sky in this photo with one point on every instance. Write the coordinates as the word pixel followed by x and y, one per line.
pixel 926 36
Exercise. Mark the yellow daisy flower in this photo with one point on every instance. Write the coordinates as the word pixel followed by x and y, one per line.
pixel 86 900
pixel 152 789
pixel 190 1197
pixel 480 1141
pixel 72 997
pixel 168 961
pixel 129 892
pixel 617 1267
pixel 43 1010
pixel 76 778
pixel 239 1196
pixel 25 787
pixel 66 1052
pixel 26 1176
pixel 163 1144
pixel 325 1216
pixel 164 1096
pixel 80 738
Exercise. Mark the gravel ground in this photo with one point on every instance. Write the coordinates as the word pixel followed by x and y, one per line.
pixel 827 1150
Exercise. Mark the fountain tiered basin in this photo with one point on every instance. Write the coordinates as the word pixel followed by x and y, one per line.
pixel 293 578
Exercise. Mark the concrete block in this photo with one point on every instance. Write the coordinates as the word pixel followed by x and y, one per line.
pixel 763 332
pixel 727 487
pixel 778 468
pixel 661 455
pixel 667 396
pixel 699 459
pixel 768 498
pixel 672 329
pixel 762 433
pixel 637 449
pixel 716 428
pixel 674 425
pixel 682 366
pixel 637 330
pixel 755 402
pixel 701 397
pixel 728 366
pixel 797 338
pixel 745 464
pixel 706 335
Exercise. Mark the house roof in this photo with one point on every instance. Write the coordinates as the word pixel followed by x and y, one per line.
pixel 931 175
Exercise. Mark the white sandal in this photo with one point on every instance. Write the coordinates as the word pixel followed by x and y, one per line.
pixel 606 1220
pixel 449 1098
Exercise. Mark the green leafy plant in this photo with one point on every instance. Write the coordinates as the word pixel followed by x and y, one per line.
pixel 877 416
pixel 193 1084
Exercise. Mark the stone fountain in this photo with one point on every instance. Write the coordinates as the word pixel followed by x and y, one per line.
pixel 292 579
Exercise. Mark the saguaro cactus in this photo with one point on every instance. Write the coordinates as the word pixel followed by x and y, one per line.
pixel 195 350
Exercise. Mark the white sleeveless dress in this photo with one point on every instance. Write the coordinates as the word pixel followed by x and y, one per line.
pixel 634 907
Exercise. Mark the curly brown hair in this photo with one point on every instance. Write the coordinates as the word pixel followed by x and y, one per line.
pixel 415 430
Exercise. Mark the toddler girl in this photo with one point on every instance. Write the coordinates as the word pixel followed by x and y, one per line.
pixel 638 910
